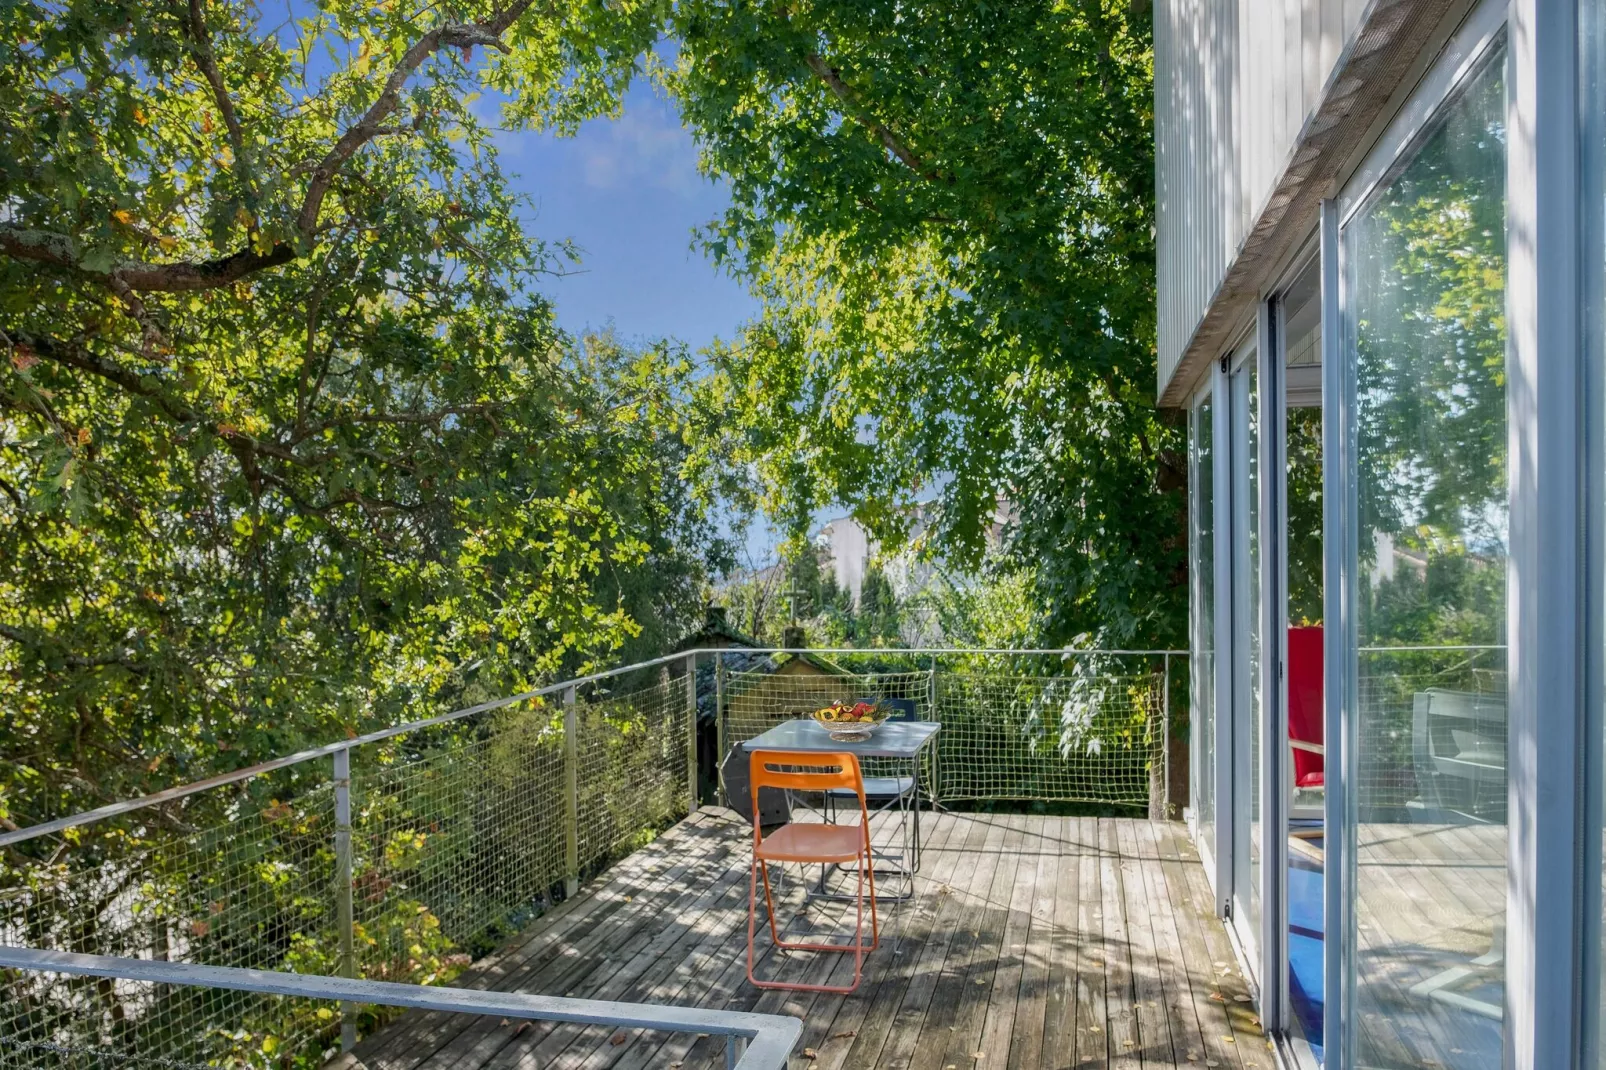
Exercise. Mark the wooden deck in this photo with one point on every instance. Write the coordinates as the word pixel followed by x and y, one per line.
pixel 1429 918
pixel 1034 942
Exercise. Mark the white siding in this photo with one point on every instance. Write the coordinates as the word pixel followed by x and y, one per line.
pixel 1234 83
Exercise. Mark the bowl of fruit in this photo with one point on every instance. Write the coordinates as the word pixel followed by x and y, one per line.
pixel 851 722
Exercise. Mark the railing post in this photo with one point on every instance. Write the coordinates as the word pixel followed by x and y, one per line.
pixel 347 965
pixel 571 792
pixel 692 783
pixel 932 712
pixel 1165 734
pixel 719 721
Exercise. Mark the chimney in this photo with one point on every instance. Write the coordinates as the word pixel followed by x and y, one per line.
pixel 714 618
pixel 794 638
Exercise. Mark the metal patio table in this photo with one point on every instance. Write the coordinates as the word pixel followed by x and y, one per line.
pixel 897 740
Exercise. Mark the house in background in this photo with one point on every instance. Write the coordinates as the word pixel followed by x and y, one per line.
pixel 1381 308
pixel 851 550
pixel 745 658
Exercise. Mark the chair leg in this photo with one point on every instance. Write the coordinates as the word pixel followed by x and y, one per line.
pixel 869 867
pixel 858 947
pixel 752 912
pixel 769 902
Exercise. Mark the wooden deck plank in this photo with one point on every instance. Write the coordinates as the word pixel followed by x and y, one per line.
pixel 1092 1042
pixel 998 1022
pixel 1092 940
pixel 1195 911
pixel 1236 1030
pixel 585 974
pixel 987 952
pixel 891 1031
pixel 937 1026
pixel 1059 1008
pixel 832 1030
pixel 1182 1013
pixel 1120 1013
pixel 1155 1046
pixel 709 919
pixel 626 893
pixel 1026 1039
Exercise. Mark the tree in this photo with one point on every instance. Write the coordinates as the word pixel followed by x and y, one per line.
pixel 947 212
pixel 289 442
pixel 879 619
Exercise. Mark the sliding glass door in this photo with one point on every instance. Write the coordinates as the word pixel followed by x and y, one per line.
pixel 1246 727
pixel 1424 253
pixel 1202 623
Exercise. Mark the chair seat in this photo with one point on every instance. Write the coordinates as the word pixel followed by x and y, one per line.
pixel 813 843
pixel 879 787
pixel 1313 780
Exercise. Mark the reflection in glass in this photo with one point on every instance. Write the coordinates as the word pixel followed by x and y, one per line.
pixel 1425 286
pixel 1201 568
pixel 1304 763
pixel 1246 636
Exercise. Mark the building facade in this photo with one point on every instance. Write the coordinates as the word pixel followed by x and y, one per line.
pixel 1381 304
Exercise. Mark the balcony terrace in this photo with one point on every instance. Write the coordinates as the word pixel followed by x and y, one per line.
pixel 546 880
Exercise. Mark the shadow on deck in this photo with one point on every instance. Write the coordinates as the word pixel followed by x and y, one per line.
pixel 1034 942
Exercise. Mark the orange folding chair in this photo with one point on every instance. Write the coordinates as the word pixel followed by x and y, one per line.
pixel 820 844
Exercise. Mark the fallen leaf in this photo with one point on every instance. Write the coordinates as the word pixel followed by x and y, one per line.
pixel 617 1039
pixel 844 1034
pixel 810 1053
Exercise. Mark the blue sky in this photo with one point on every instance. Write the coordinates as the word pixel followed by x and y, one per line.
pixel 626 191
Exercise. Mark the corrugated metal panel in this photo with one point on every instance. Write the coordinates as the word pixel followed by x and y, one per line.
pixel 1234 85
pixel 1199 215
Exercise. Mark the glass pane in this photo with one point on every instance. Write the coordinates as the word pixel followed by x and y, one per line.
pixel 1425 265
pixel 1201 567
pixel 1252 608
pixel 1246 632
pixel 1302 761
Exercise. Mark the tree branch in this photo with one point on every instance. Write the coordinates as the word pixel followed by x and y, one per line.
pixel 23 243
pixel 124 660
pixel 856 110
pixel 370 126
pixel 207 61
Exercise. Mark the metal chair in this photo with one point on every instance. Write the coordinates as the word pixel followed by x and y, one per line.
pixel 807 844
pixel 882 793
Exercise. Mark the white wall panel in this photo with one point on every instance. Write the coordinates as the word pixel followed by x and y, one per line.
pixel 1235 82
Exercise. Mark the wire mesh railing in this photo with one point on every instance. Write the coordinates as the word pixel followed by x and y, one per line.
pixel 405 855
pixel 1431 733
pixel 1095 733
pixel 417 855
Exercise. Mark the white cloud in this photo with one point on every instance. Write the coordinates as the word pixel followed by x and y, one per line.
pixel 646 146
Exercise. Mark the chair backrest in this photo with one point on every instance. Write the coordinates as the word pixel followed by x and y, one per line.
pixel 805 771
pixel 1305 697
pixel 773 807
pixel 903 709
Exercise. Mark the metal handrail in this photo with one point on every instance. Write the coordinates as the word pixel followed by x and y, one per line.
pixel 768 1038
pixel 771 1037
pixel 125 806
